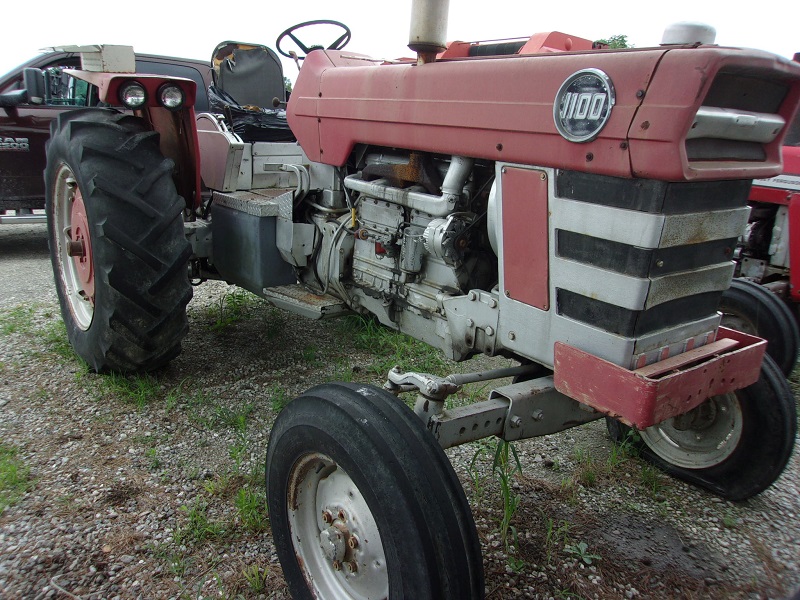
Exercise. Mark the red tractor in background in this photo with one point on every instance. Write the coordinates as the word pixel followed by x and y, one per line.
pixel 571 208
pixel 764 298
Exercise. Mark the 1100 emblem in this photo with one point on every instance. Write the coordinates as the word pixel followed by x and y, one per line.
pixel 9 143
pixel 583 105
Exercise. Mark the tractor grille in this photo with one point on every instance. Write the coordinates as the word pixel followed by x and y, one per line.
pixel 640 256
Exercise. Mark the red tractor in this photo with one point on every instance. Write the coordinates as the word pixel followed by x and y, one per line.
pixel 763 300
pixel 574 209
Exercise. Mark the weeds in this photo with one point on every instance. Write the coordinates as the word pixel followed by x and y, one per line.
pixel 390 347
pixel 309 355
pixel 139 389
pixel 238 451
pixel 729 520
pixel 252 510
pixel 235 419
pixel 221 485
pixel 256 578
pixel 198 527
pixel 624 449
pixel 477 473
pixel 231 308
pixel 16 320
pixel 557 533
pixel 581 552
pixel 14 477
pixel 588 470
pixel 278 398
pixel 174 396
pixel 152 455
pixel 651 480
pixel 504 469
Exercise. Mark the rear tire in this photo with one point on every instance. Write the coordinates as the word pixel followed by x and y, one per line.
pixel 117 244
pixel 751 308
pixel 735 445
pixel 349 460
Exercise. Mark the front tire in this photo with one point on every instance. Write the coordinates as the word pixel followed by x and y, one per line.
pixel 116 238
pixel 735 445
pixel 351 462
pixel 751 308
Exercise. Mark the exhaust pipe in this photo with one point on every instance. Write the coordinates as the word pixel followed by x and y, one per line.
pixel 428 35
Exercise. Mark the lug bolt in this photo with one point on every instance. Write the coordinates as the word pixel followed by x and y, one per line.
pixel 352 542
pixel 351 566
pixel 342 516
pixel 337 566
pixel 75 248
pixel 327 517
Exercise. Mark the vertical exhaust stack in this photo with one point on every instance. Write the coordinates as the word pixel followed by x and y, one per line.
pixel 428 28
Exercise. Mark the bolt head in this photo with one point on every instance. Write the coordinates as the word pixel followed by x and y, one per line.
pixel 327 517
pixel 351 566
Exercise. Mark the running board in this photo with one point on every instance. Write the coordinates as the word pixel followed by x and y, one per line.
pixel 297 299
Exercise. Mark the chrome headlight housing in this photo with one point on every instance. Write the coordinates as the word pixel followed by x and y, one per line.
pixel 171 96
pixel 132 95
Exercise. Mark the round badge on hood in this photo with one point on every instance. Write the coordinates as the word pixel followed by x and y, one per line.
pixel 583 105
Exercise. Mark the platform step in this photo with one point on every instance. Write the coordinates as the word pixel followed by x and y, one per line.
pixel 298 299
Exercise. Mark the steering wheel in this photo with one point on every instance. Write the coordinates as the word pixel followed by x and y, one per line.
pixel 338 44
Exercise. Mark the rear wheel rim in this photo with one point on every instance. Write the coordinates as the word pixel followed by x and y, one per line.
pixel 334 533
pixel 74 247
pixel 702 438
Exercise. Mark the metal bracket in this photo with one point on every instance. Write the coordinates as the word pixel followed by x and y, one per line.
pixel 473 321
pixel 512 412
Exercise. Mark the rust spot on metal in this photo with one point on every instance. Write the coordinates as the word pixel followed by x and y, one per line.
pixel 418 170
pixel 298 474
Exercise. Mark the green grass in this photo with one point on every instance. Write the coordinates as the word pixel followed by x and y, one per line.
pixel 252 508
pixel 504 468
pixel 17 319
pixel 580 551
pixel 232 307
pixel 141 390
pixel 199 527
pixel 278 398
pixel 14 477
pixel 389 347
pixel 650 478
pixel 54 335
pixel 256 578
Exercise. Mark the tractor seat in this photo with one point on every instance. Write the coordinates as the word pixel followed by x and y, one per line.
pixel 248 78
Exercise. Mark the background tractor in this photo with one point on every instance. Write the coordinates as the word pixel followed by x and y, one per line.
pixel 763 299
pixel 571 208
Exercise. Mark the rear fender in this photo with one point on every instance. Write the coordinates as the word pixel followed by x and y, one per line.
pixel 176 127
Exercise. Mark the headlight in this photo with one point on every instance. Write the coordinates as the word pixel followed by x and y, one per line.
pixel 170 96
pixel 132 95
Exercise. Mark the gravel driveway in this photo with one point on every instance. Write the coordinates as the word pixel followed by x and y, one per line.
pixel 151 487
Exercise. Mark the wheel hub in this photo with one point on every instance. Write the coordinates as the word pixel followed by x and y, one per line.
pixel 333 542
pixel 73 251
pixel 335 535
pixel 699 418
pixel 79 247
pixel 701 438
